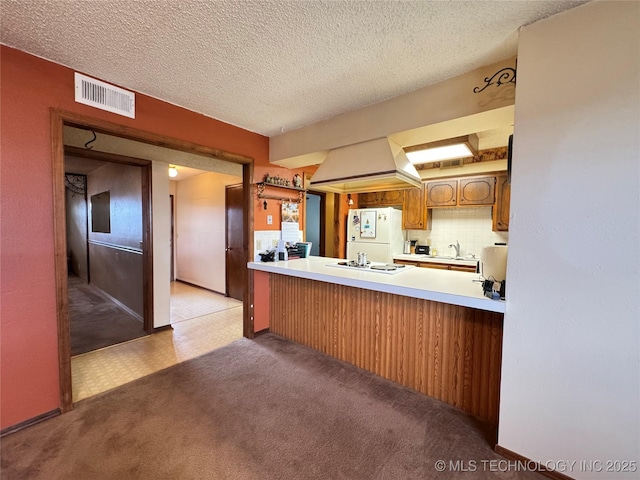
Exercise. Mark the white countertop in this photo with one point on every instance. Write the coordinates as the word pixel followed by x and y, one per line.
pixel 445 286
pixel 413 257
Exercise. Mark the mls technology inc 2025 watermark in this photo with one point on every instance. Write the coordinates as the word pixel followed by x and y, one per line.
pixel 562 466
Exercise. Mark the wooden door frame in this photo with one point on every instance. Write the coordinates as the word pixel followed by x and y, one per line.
pixel 60 118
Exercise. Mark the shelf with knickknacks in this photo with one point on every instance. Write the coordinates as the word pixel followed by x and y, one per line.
pixel 283 183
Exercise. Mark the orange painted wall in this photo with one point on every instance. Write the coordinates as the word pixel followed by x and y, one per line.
pixel 30 87
pixel 273 206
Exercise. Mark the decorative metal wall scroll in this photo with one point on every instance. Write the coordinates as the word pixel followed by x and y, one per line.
pixel 503 76
pixel 77 184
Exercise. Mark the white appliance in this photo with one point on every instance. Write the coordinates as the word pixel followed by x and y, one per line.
pixel 376 232
pixel 494 263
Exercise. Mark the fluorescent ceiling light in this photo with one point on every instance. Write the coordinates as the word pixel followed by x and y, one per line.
pixel 437 154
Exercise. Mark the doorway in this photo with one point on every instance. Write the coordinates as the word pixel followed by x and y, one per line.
pixel 58 120
pixel 104 211
pixel 314 224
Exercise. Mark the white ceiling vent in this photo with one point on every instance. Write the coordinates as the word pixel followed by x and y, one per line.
pixel 95 93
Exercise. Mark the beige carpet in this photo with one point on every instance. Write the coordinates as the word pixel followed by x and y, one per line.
pixel 261 409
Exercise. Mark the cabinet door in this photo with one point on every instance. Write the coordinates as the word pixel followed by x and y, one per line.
pixel 476 191
pixel 391 198
pixel 437 266
pixel 369 199
pixel 442 193
pixel 448 266
pixel 462 268
pixel 406 262
pixel 414 209
pixel 501 208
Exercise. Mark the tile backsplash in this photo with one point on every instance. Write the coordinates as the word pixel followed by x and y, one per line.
pixel 469 226
pixel 264 240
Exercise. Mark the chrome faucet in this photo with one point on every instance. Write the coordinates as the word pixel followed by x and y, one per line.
pixel 457 247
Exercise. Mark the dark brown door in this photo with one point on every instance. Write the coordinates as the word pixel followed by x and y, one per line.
pixel 236 258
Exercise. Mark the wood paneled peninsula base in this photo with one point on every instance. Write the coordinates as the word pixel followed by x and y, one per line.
pixel 420 337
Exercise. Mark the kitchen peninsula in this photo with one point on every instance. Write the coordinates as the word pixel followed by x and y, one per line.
pixel 430 330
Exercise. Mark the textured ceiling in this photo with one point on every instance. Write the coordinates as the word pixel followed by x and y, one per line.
pixel 274 65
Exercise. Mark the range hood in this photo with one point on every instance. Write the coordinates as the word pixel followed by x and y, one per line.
pixel 374 165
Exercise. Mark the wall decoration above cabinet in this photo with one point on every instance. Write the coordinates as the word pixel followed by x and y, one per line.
pixel 292 197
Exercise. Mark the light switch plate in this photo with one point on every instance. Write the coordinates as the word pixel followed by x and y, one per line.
pixel 269 219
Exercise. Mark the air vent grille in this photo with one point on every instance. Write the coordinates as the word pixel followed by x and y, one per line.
pixel 457 162
pixel 95 93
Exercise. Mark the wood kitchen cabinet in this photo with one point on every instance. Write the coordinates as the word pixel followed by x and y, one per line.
pixel 442 193
pixel 388 198
pixel 500 212
pixel 448 266
pixel 461 192
pixel 414 209
pixel 438 265
pixel 369 199
pixel 476 191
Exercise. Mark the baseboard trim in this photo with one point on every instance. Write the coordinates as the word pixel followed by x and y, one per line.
pixel 163 328
pixel 510 455
pixel 261 332
pixel 118 303
pixel 199 286
pixel 30 422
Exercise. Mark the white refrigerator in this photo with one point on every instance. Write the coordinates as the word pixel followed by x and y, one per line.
pixel 376 232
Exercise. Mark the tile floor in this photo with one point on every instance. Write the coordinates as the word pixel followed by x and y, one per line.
pixel 202 321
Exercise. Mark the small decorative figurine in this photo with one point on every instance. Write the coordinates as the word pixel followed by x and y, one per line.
pixel 297 181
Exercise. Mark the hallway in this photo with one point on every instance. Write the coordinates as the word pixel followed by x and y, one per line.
pixel 202 321
pixel 97 321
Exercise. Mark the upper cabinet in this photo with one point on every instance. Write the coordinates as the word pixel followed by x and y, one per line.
pixel 414 210
pixel 442 193
pixel 476 191
pixel 368 199
pixel 486 190
pixel 501 207
pixel 461 192
pixel 389 198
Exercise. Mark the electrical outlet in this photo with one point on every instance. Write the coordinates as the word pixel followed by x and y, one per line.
pixel 269 219
pixel 258 244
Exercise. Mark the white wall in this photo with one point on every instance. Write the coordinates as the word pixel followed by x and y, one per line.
pixel 570 371
pixel 200 227
pixel 161 228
